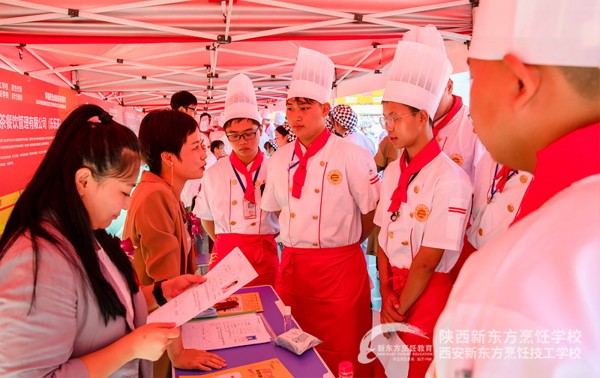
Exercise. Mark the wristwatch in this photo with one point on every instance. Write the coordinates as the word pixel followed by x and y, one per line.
pixel 158 293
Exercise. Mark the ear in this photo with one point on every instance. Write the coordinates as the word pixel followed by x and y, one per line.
pixel 526 80
pixel 423 117
pixel 325 108
pixel 167 158
pixel 450 86
pixel 82 180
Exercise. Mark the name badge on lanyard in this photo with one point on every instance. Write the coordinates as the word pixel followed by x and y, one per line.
pixel 249 210
pixel 249 207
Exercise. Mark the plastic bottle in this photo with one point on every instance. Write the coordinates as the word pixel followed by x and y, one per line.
pixel 287 318
pixel 345 369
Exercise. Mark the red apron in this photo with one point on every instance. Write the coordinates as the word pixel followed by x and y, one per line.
pixel 328 290
pixel 423 314
pixel 260 250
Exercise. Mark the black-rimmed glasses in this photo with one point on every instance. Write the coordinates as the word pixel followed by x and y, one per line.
pixel 248 135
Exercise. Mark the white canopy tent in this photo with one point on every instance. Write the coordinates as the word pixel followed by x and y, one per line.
pixel 138 54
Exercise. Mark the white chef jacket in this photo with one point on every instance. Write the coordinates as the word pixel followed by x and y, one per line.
pixel 488 220
pixel 435 214
pixel 341 184
pixel 221 200
pixel 363 141
pixel 536 288
pixel 458 140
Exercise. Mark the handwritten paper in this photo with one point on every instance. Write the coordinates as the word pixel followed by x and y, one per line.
pixel 225 332
pixel 230 274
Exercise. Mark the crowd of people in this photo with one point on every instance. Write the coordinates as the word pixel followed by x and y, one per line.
pixel 508 187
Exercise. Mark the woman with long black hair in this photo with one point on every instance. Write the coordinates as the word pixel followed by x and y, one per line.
pixel 70 304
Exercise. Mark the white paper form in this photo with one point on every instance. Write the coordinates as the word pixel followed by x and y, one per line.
pixel 227 332
pixel 230 274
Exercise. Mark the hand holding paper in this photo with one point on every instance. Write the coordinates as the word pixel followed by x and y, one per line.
pixel 230 274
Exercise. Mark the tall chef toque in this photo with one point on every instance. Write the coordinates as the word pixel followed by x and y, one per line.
pixel 240 99
pixel 312 76
pixel 419 71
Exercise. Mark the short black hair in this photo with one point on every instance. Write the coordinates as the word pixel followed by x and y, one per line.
pixel 164 130
pixel 229 122
pixel 183 98
pixel 216 144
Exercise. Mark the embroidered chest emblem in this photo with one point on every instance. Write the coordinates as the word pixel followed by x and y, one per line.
pixel 457 158
pixel 334 177
pixel 421 213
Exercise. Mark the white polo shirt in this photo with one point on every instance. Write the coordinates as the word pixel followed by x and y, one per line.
pixel 221 200
pixel 458 140
pixel 341 184
pixel 435 215
pixel 492 214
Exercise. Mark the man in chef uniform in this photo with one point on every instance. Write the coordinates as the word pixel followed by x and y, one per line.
pixel 326 190
pixel 498 192
pixel 425 199
pixel 452 126
pixel 532 293
pixel 229 202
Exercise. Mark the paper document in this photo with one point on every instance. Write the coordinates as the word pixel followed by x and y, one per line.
pixel 230 274
pixel 226 332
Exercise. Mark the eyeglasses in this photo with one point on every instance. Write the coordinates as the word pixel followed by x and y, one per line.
pixel 391 121
pixel 248 135
pixel 192 108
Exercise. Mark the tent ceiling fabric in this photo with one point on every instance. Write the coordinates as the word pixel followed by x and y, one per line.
pixel 140 53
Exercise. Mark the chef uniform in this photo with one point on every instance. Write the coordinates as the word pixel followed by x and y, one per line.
pixel 323 269
pixel 454 130
pixel 454 133
pixel 498 192
pixel 424 202
pixel 225 200
pixel 535 287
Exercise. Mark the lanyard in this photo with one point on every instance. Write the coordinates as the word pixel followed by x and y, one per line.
pixel 292 159
pixel 394 215
pixel 494 189
pixel 240 179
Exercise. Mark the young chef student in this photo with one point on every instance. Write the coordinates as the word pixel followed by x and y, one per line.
pixel 425 199
pixel 325 189
pixel 229 202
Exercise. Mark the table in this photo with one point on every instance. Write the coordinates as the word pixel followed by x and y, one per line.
pixel 309 364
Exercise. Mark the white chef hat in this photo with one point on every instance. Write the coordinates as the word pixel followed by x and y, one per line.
pixel 279 118
pixel 265 113
pixel 312 76
pixel 240 99
pixel 418 76
pixel 558 33
pixel 428 35
pixel 204 124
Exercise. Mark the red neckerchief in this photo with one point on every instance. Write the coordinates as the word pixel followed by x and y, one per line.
pixel 456 105
pixel 573 157
pixel 241 167
pixel 426 155
pixel 502 176
pixel 300 174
